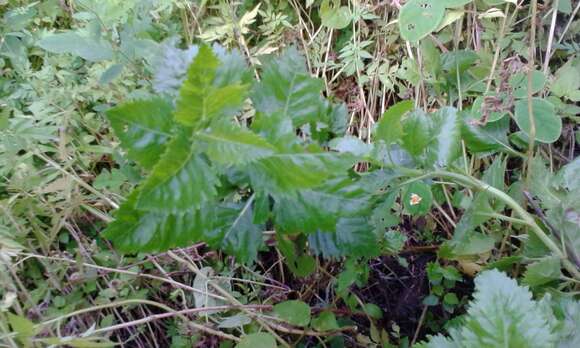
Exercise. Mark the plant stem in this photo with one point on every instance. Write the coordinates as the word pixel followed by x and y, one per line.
pixel 526 217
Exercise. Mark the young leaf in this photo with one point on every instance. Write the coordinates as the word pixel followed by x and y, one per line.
pixel 200 101
pixel 144 128
pixel 293 312
pixel 180 181
pixel 326 321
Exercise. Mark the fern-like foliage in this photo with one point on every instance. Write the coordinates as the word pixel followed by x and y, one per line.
pixel 502 314
pixel 209 178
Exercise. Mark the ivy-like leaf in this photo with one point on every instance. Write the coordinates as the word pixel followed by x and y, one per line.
pixel 181 180
pixel 144 128
pixel 200 101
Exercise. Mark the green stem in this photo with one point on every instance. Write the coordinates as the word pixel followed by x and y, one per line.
pixel 526 217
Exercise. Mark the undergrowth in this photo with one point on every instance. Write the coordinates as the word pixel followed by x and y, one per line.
pixel 281 173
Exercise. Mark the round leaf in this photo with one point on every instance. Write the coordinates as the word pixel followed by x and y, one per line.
pixel 257 340
pixel 293 312
pixel 417 198
pixel 519 82
pixel 418 18
pixel 476 109
pixel 548 124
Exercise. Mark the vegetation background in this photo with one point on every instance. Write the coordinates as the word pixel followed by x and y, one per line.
pixel 499 199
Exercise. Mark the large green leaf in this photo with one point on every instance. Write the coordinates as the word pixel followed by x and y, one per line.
pixel 242 237
pixel 416 127
pixel 319 209
pixel 353 237
pixel 229 145
pixel 445 136
pixel 181 180
pixel 418 18
pixel 484 138
pixel 141 231
pixel 144 128
pixel 200 100
pixel 389 128
pixel 283 172
pixel 287 87
pixel 548 124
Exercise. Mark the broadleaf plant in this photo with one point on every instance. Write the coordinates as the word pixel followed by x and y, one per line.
pixel 211 177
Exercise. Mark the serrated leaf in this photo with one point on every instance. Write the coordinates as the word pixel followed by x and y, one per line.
pixel 484 138
pixel 141 231
pixel 418 18
pixel 231 145
pixel 293 312
pixel 548 124
pixel 180 181
pixel 144 128
pixel 353 237
pixel 351 145
pixel 285 172
pixel 542 271
pixel 287 88
pixel 416 127
pixel 200 100
pixel 320 208
pixel 390 128
pixel 243 238
pixel 445 136
pixel 502 314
